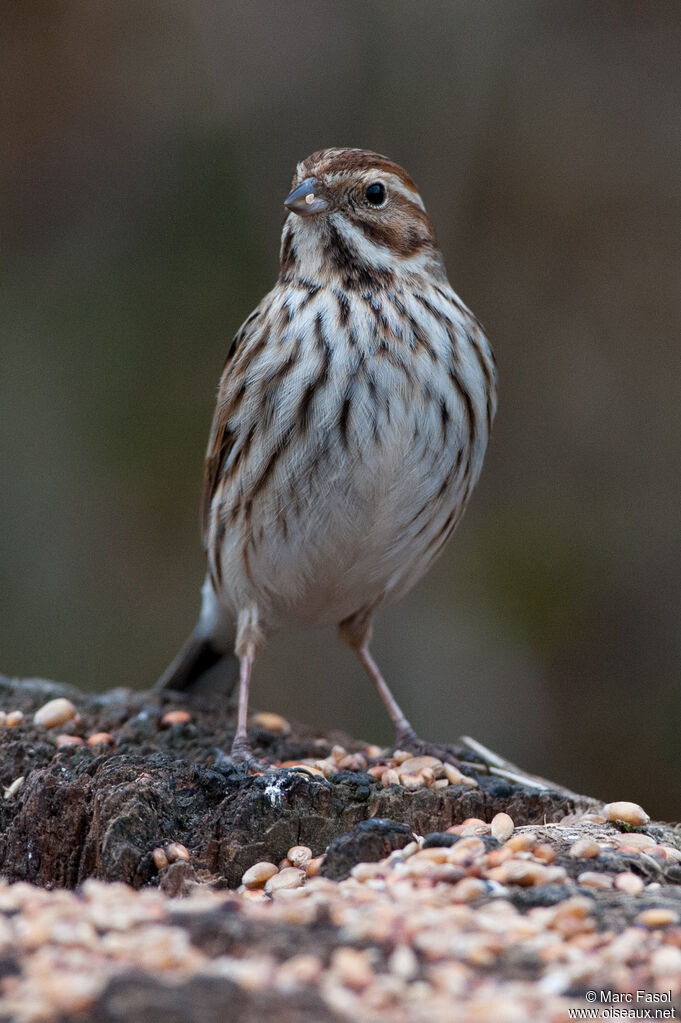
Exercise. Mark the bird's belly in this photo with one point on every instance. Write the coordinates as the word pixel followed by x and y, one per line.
pixel 348 526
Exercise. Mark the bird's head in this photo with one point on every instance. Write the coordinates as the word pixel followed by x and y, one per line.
pixel 357 216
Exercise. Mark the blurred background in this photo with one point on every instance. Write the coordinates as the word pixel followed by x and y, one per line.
pixel 146 151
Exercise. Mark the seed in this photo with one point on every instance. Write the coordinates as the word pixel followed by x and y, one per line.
pixel 468 848
pixel 378 770
pixel 584 849
pixel 659 917
pixel 629 883
pixel 668 852
pixel 271 722
pixel 592 879
pixel 502 827
pixel 257 875
pixel 177 851
pixel 414 765
pixel 55 712
pixel 14 718
pixel 441 783
pixel 428 776
pixel 403 963
pixel 630 813
pixel 373 751
pixel 471 826
pixel 390 777
pixel 352 762
pixel 12 789
pixel 352 968
pixel 468 889
pixel 159 857
pixel 100 739
pixel 338 752
pixel 455 777
pixel 289 877
pixel 299 856
pixel 314 866
pixel 524 872
pixel 175 717
pixel 634 842
pixel 412 781
pixel 521 841
pixel 544 852
pixel 68 740
pixel 400 756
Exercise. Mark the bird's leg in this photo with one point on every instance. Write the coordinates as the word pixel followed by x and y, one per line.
pixel 356 632
pixel 404 733
pixel 249 640
pixel 241 749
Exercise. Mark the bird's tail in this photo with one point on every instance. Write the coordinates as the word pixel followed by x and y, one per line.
pixel 200 665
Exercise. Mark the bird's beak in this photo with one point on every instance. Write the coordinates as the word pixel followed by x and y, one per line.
pixel 304 199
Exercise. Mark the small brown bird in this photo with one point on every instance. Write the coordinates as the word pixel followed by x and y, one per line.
pixel 352 419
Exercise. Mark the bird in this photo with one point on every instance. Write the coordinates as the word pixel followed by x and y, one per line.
pixel 352 418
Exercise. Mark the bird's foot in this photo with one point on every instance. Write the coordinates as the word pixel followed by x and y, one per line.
pixel 448 753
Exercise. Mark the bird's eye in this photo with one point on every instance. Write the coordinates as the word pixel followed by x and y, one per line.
pixel 375 193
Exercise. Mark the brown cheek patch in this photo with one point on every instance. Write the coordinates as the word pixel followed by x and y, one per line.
pixel 405 230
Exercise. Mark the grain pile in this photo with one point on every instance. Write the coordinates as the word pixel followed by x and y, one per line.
pixel 339 882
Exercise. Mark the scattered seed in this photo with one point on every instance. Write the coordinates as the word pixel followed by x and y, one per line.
pixel 352 968
pixel 468 889
pixel 55 712
pixel 14 718
pixel 64 741
pixel 271 722
pixel 629 883
pixel 592 879
pixel 159 857
pixel 11 790
pixel 584 849
pixel 659 917
pixel 373 751
pixel 353 762
pixel 544 852
pixel 314 866
pixel 390 777
pixel 521 841
pixel 502 827
pixel 411 782
pixel 400 755
pixel 257 875
pixel 175 717
pixel 630 813
pixel 177 851
pixel 289 877
pixel 455 777
pixel 634 842
pixel 338 752
pixel 415 765
pixel 403 963
pixel 299 856
pixel 100 739
pixel 441 783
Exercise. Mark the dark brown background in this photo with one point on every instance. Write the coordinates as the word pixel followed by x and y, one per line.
pixel 146 152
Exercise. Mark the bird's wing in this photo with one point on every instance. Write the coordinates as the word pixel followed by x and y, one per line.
pixel 221 440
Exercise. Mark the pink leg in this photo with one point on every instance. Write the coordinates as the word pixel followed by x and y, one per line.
pixel 404 733
pixel 241 749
